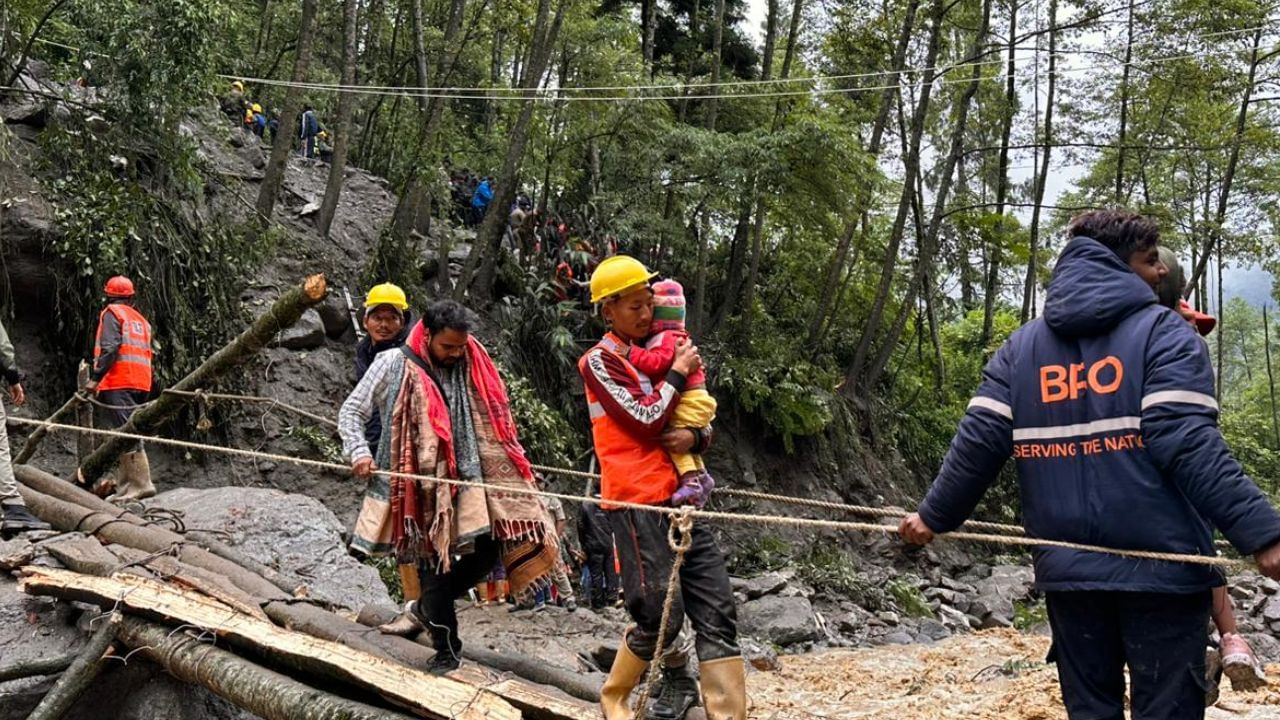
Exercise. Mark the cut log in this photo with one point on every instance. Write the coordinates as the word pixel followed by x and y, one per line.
pixel 531 669
pixel 284 313
pixel 68 515
pixel 428 695
pixel 265 693
pixel 38 666
pixel 84 555
pixel 53 486
pixel 534 702
pixel 172 570
pixel 82 672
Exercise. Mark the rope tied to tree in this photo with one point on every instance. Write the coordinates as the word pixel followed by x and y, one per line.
pixel 680 539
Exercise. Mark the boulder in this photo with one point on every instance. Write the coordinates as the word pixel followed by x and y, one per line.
pixel 769 583
pixel 781 620
pixel 932 631
pixel 336 318
pixel 997 593
pixel 1271 610
pixel 292 533
pixel 897 637
pixel 306 334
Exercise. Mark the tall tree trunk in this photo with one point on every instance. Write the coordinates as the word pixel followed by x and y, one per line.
pixel 911 162
pixel 485 251
pixel 929 245
pixel 757 230
pixel 288 132
pixel 1042 178
pixel 261 34
pixel 717 48
pixel 346 105
pixel 1222 317
pixel 420 54
pixel 1119 198
pixel 857 212
pixel 1271 380
pixel 495 76
pixel 648 24
pixel 1214 234
pixel 1002 178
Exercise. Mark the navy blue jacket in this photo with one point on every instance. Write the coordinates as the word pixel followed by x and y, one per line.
pixel 1107 406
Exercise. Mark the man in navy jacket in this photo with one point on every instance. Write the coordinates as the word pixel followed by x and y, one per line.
pixel 1107 405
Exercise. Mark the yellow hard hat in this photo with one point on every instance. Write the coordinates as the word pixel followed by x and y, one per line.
pixel 616 275
pixel 257 108
pixel 386 294
pixel 238 85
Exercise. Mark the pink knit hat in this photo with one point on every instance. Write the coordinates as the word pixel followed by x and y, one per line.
pixel 668 306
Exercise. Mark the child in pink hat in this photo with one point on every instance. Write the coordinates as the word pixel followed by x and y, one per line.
pixel 697 409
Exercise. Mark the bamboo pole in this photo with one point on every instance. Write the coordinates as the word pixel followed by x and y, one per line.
pixel 284 313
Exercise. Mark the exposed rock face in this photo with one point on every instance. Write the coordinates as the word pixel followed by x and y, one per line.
pixel 781 620
pixel 31 628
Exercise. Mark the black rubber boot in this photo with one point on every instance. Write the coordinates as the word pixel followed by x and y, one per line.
pixel 18 519
pixel 676 693
pixel 448 650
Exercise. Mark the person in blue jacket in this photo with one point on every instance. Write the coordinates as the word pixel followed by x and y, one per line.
pixel 1107 406
pixel 480 200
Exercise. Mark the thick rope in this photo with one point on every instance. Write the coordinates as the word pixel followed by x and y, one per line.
pixel 680 539
pixel 797 522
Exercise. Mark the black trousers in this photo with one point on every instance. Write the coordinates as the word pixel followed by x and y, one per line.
pixel 123 403
pixel 1161 637
pixel 435 608
pixel 604 578
pixel 704 594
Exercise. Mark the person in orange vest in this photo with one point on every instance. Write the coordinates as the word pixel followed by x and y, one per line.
pixel 629 416
pixel 121 378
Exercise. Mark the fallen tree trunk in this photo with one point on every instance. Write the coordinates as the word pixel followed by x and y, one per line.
pixel 532 669
pixel 51 485
pixel 67 515
pixel 284 313
pixel 173 570
pixel 429 695
pixel 265 693
pixel 38 666
pixel 77 677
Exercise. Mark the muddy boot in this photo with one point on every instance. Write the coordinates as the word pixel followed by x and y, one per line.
pixel 1212 676
pixel 18 519
pixel 677 692
pixel 448 650
pixel 615 694
pixel 134 478
pixel 724 688
pixel 1240 664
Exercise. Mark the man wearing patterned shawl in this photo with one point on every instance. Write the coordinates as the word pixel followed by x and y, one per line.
pixel 445 414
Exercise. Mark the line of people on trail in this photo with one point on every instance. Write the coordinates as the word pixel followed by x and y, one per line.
pixel 119 379
pixel 312 140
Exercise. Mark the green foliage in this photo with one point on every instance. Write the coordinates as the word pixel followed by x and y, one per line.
pixel 760 553
pixel 117 216
pixel 792 396
pixel 1030 615
pixel 547 437
pixel 827 566
pixel 906 593
pixel 389 572
pixel 321 441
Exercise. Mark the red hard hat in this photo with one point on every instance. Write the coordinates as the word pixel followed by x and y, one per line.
pixel 119 286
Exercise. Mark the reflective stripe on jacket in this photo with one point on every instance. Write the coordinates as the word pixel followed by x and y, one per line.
pixel 1107 406
pixel 122 350
pixel 628 414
